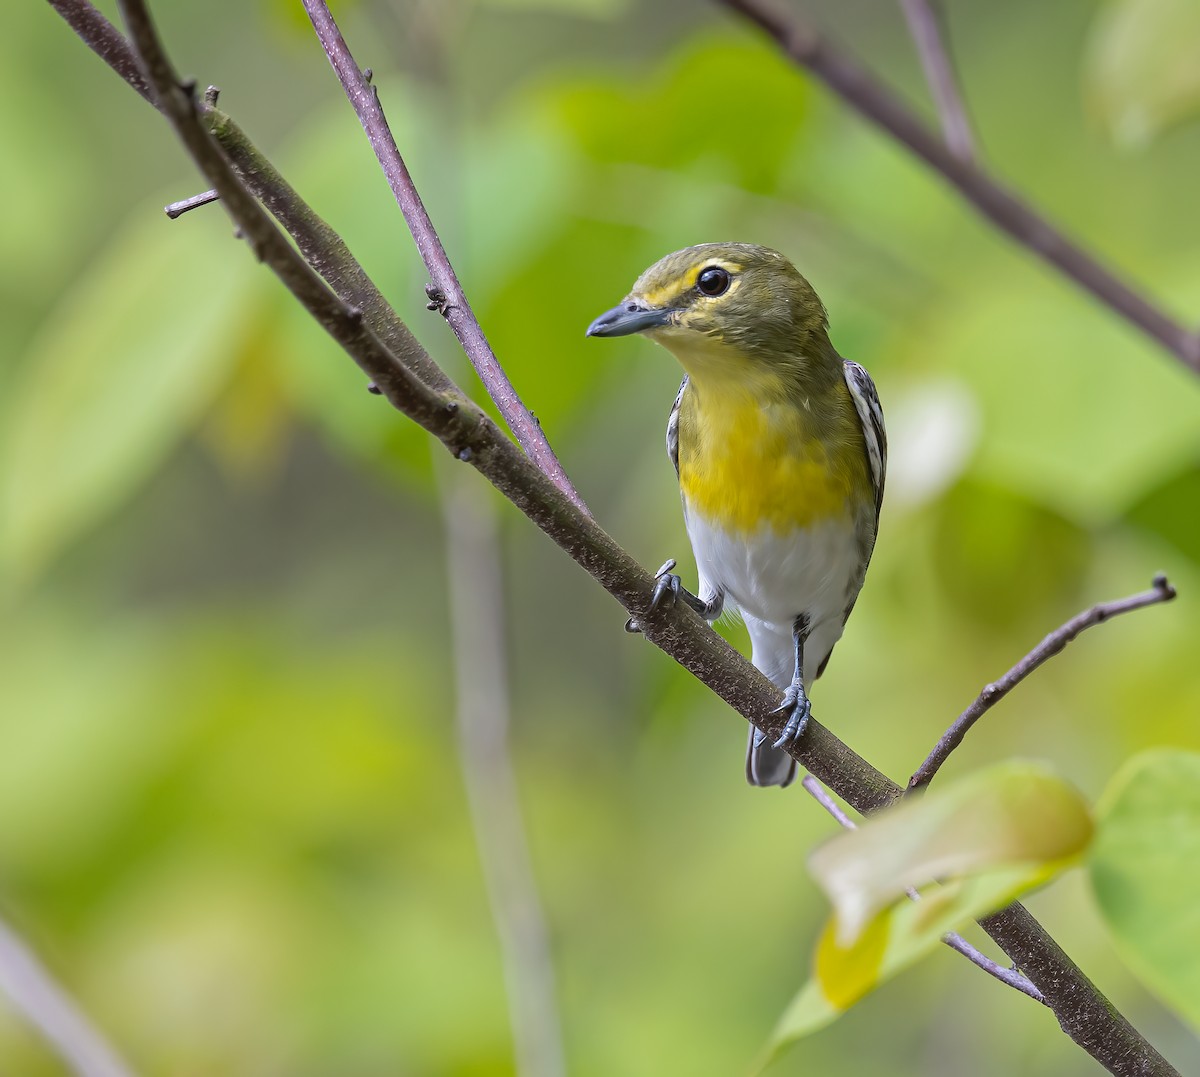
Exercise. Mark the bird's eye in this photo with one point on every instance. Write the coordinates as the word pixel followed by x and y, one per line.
pixel 713 281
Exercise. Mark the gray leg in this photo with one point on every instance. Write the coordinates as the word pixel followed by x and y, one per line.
pixel 795 700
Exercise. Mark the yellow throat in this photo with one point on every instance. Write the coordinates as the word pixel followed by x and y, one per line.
pixel 755 456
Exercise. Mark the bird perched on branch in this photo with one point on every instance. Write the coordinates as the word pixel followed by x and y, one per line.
pixel 780 451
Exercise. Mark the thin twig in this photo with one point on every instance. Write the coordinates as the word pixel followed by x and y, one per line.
pixel 924 25
pixel 1010 977
pixel 33 991
pixel 178 209
pixel 1053 644
pixel 817 791
pixel 1080 1009
pixel 105 40
pixel 482 705
pixel 859 88
pixel 446 292
pixel 322 247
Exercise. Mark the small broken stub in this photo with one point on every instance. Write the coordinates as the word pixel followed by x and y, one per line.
pixel 437 299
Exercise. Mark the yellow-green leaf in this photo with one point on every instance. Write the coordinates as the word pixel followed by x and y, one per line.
pixel 1145 872
pixel 896 938
pixel 987 838
pixel 1015 813
pixel 847 972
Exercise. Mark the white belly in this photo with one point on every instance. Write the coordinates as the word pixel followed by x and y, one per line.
pixel 772 579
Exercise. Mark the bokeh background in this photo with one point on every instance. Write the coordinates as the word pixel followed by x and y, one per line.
pixel 232 817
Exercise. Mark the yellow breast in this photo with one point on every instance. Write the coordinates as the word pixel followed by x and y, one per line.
pixel 747 464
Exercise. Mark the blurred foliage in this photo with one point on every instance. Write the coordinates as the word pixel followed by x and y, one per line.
pixel 75 446
pixel 1142 73
pixel 232 817
pixel 1143 870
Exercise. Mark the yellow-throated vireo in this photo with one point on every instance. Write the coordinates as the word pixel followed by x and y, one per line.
pixel 780 451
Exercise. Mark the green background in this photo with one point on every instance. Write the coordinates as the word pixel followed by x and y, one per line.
pixel 232 818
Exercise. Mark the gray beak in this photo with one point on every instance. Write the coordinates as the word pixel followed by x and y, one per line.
pixel 628 318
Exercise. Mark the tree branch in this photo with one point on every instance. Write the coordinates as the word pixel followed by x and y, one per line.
pixel 1053 644
pixel 923 24
pixel 33 992
pixel 860 89
pixel 1080 1009
pixel 446 293
pixel 322 247
pixel 1009 977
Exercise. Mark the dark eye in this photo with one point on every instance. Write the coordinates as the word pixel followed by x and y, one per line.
pixel 713 281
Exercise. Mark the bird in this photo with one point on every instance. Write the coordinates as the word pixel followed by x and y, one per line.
pixel 780 452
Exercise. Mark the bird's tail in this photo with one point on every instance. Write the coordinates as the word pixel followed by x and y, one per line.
pixel 774 654
pixel 767 765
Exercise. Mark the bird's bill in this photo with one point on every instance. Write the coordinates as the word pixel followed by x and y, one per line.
pixel 628 318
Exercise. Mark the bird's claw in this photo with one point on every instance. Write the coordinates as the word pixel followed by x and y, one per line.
pixel 665 583
pixel 795 701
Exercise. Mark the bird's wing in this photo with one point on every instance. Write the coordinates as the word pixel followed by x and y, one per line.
pixel 673 427
pixel 870 417
pixel 870 414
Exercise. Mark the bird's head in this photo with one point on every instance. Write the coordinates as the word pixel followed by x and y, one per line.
pixel 722 305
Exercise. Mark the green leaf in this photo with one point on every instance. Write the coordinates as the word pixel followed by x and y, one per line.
pixel 1141 70
pixel 498 207
pixel 674 120
pixel 1003 557
pixel 988 838
pixel 1145 872
pixel 1015 345
pixel 1169 511
pixel 126 364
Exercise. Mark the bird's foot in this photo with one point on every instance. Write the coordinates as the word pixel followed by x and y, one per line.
pixel 797 707
pixel 666 586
